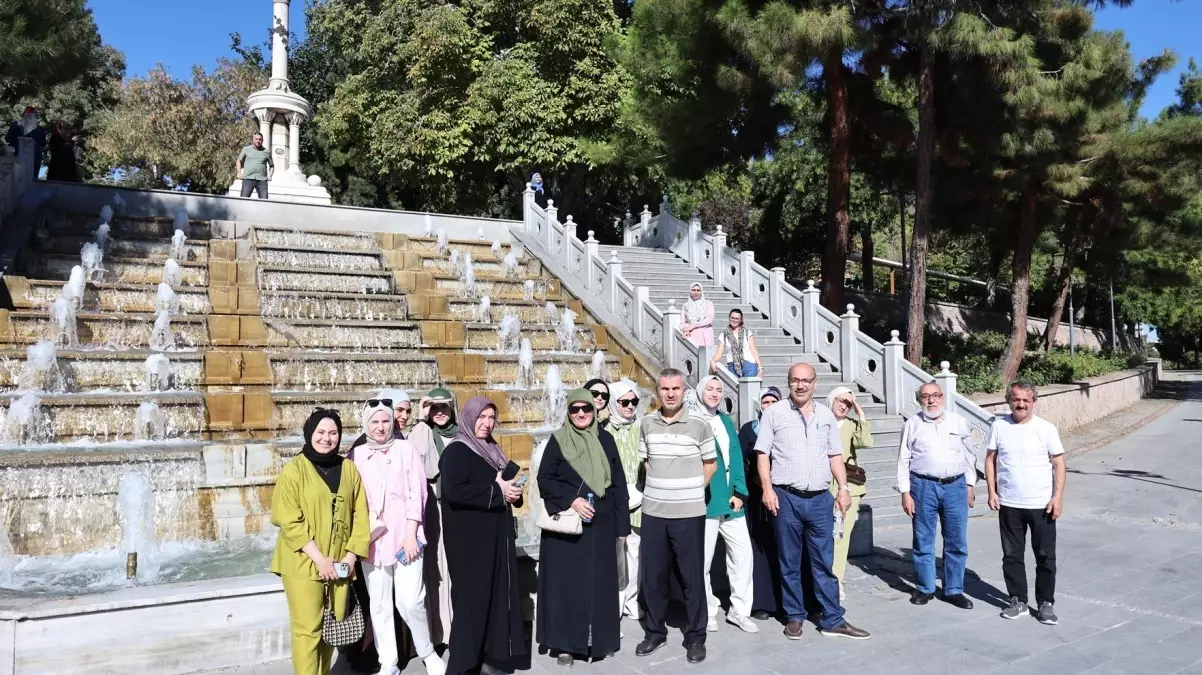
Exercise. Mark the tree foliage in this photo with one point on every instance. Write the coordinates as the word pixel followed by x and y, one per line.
pixel 43 43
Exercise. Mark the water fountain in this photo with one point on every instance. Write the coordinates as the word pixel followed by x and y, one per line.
pixel 166 299
pixel 517 250
pixel 484 311
pixel 158 373
pixel 179 246
pixel 496 249
pixel 74 288
pixel 172 274
pixel 552 313
pixel 509 266
pixel 106 214
pixel 429 225
pixel 93 261
pixel 567 330
pixel 510 332
pixel 441 244
pixel 162 337
pixel 118 203
pixel 25 423
pixel 139 538
pixel 62 317
pixel 529 290
pixel 525 378
pixel 480 233
pixel 104 236
pixel 596 369
pixel 150 424
pixel 453 261
pixel 468 276
pixel 555 399
pixel 41 371
pixel 180 220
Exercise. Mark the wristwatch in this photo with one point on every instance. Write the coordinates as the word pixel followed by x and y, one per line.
pixel 843 488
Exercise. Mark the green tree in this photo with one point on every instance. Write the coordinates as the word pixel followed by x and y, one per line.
pixel 43 43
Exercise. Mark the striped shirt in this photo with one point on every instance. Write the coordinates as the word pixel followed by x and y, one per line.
pixel 674 452
pixel 800 448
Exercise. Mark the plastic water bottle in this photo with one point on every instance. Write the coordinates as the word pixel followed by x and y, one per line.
pixel 838 524
pixel 591 502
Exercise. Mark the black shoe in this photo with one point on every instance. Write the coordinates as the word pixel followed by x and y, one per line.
pixel 761 615
pixel 649 646
pixel 920 598
pixel 958 600
pixel 695 653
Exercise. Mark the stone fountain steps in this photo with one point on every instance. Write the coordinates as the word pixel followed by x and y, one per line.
pixel 328 240
pixel 480 250
pixel 496 288
pixel 488 267
pixel 328 305
pixel 278 278
pixel 122 270
pixel 131 227
pixel 105 297
pixel 157 250
pixel 87 371
pixel 117 331
pixel 543 338
pixel 279 256
pixel 528 311
pixel 113 416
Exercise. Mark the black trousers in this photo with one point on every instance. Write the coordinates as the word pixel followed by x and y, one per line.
pixel 250 185
pixel 1014 524
pixel 666 541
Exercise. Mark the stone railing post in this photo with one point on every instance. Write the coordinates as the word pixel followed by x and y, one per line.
pixel 528 212
pixel 894 355
pixel 645 226
pixel 552 219
pixel 27 168
pixel 809 318
pixel 586 270
pixel 637 324
pixel 612 273
pixel 776 296
pixel 747 403
pixel 671 327
pixel 849 325
pixel 946 379
pixel 704 354
pixel 693 245
pixel 718 264
pixel 746 278
pixel 569 233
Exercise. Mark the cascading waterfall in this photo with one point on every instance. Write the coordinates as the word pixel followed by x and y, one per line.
pixel 555 398
pixel 158 373
pixel 25 423
pixel 106 214
pixel 162 337
pixel 441 245
pixel 484 310
pixel 180 220
pixel 453 261
pixel 118 203
pixel 104 236
pixel 429 225
pixel 135 512
pixel 517 250
pixel 93 261
pixel 529 290
pixel 62 315
pixel 567 330
pixel 496 249
pixel 41 371
pixel 172 274
pixel 510 332
pixel 525 379
pixel 166 299
pixel 179 245
pixel 76 284
pixel 596 370
pixel 468 276
pixel 509 266
pixel 552 313
pixel 150 424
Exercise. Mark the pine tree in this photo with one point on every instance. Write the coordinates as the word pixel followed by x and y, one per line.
pixel 43 43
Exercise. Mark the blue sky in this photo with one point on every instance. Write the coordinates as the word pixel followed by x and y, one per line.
pixel 179 34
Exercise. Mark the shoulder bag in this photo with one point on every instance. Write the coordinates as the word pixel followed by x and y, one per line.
pixel 348 631
pixel 564 522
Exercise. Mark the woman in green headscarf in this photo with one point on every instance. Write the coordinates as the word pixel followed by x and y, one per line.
pixel 436 426
pixel 578 574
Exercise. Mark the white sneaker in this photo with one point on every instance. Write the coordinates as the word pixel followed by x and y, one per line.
pixel 712 625
pixel 744 623
pixel 435 665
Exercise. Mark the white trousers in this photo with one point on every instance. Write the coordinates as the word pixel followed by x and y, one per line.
pixel 739 563
pixel 628 587
pixel 404 585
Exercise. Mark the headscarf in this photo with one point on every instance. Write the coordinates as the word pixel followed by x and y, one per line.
pixel 582 447
pixel 442 435
pixel 734 342
pixel 835 394
pixel 695 404
pixel 769 391
pixel 396 396
pixel 487 448
pixel 695 310
pixel 602 413
pixel 616 391
pixel 311 453
pixel 365 415
pixel 536 182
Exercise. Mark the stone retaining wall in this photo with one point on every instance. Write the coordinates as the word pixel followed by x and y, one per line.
pixel 1071 405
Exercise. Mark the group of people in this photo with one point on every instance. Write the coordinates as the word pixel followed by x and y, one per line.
pixel 427 515
pixel 66 147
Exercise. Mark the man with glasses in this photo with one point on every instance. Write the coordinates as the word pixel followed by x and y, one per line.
pixel 679 457
pixel 936 471
pixel 799 451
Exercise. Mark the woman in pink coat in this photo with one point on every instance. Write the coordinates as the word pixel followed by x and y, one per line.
pixel 697 318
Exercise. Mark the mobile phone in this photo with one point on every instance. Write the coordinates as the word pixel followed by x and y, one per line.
pixel 343 570
pixel 521 481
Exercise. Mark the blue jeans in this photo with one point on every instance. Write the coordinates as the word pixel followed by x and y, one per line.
pixel 749 369
pixel 808 522
pixel 945 505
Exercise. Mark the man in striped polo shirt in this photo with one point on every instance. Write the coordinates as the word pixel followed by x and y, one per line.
pixel 679 457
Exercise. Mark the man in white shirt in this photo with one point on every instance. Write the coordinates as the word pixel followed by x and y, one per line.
pixel 1025 470
pixel 936 472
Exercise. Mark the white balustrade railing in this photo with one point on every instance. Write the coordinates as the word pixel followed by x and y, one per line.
pixel 16 174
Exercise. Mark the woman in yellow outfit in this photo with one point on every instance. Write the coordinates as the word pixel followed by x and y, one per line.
pixel 853 435
pixel 321 510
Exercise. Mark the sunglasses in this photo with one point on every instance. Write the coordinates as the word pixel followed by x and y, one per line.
pixel 373 402
pixel 628 403
pixel 603 395
pixel 577 409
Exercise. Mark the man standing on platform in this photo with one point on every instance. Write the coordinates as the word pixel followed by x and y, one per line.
pixel 936 471
pixel 255 167
pixel 1025 470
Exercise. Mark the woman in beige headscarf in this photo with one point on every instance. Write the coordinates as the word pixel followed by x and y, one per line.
pixel 435 428
pixel 853 435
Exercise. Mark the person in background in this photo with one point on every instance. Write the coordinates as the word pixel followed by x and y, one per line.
pixel 28 126
pixel 765 602
pixel 737 344
pixel 313 536
pixel 402 409
pixel 625 427
pixel 725 497
pixel 62 154
pixel 599 390
pixel 255 167
pixel 540 195
pixel 936 471
pixel 478 501
pixel 434 429
pixel 853 435
pixel 697 318
pixel 1026 472
pixel 395 484
pixel 581 471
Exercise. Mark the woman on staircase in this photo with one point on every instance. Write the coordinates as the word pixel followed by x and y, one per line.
pixel 697 318
pixel 737 344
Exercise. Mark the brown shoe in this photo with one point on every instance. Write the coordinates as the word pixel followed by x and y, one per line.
pixel 846 631
pixel 793 630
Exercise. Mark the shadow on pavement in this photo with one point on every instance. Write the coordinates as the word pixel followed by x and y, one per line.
pixel 897 570
pixel 1142 476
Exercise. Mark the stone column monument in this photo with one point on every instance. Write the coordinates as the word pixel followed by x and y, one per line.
pixel 280 113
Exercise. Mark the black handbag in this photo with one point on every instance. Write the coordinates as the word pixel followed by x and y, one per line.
pixel 348 631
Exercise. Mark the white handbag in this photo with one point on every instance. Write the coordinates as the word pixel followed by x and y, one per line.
pixel 564 522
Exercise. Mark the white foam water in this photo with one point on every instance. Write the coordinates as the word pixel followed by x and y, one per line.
pixel 468 276
pixel 106 213
pixel 172 274
pixel 555 398
pixel 517 250
pixel 596 370
pixel 150 424
pixel 25 423
pixel 480 233
pixel 166 300
pixel 510 332
pixel 41 371
pixel 135 512
pixel 93 261
pixel 180 220
pixel 441 244
pixel 453 261
pixel 429 225
pixel 62 316
pixel 158 373
pixel 509 266
pixel 104 236
pixel 552 313
pixel 525 379
pixel 484 310
pixel 179 245
pixel 162 337
pixel 529 290
pixel 76 284
pixel 567 330
pixel 118 203
pixel 496 249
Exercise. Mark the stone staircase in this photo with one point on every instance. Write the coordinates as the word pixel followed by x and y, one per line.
pixel 668 277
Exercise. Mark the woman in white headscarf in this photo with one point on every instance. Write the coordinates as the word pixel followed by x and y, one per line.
pixel 626 427
pixel 697 318
pixel 402 410
pixel 853 435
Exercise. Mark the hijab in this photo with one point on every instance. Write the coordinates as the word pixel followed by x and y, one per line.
pixel 536 182
pixel 396 396
pixel 695 310
pixel 696 405
pixel 603 413
pixel 443 434
pixel 617 390
pixel 770 391
pixel 324 462
pixel 582 447
pixel 365 416
pixel 833 396
pixel 487 448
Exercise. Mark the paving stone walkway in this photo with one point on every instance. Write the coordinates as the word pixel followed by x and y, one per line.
pixel 1129 588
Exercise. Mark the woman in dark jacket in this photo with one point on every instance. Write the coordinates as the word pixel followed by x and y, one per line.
pixel 578 573
pixel 62 155
pixel 478 529
pixel 765 602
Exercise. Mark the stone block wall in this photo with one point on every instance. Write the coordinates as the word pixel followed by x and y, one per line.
pixel 1071 405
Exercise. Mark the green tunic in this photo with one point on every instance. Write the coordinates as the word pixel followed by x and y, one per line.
pixel 853 434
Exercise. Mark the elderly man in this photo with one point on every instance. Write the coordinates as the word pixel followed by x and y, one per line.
pixel 1025 471
pixel 936 471
pixel 799 452
pixel 679 457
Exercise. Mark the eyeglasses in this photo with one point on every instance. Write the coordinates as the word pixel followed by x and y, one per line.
pixel 796 382
pixel 930 397
pixel 628 403
pixel 373 402
pixel 603 395
pixel 578 409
